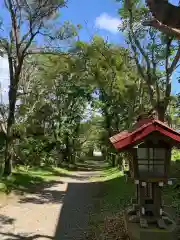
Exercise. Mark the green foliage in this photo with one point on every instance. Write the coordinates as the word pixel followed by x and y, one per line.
pixel 175 155
pixel 153 52
pixel 117 85
pixel 53 124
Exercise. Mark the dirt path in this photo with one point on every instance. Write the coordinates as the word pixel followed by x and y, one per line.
pixel 58 211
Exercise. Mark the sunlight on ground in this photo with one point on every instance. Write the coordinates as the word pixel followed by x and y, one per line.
pixel 108 174
pixel 23 177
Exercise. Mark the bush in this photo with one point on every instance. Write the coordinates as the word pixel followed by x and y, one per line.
pixel 175 155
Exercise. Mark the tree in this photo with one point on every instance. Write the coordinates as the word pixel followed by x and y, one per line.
pixel 27 21
pixel 166 19
pixel 173 113
pixel 117 88
pixel 53 99
pixel 156 58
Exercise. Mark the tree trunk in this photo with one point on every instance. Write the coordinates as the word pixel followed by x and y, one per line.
pixel 160 110
pixel 73 152
pixel 8 158
pixel 66 151
pixel 113 160
pixel 9 146
pixel 165 12
pixel 161 114
pixel 9 136
pixel 73 158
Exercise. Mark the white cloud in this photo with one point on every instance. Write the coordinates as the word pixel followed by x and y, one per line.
pixel 108 23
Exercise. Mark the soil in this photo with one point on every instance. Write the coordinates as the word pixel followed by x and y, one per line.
pixel 58 210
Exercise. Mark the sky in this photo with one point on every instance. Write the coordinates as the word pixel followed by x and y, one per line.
pixel 96 17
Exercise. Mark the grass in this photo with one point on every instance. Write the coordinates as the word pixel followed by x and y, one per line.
pixel 108 174
pixel 171 194
pixel 23 178
pixel 115 195
pixel 116 192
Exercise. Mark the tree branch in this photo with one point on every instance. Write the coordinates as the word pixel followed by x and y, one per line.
pixel 15 29
pixel 152 35
pixel 174 62
pixel 139 67
pixel 147 78
pixel 137 42
pixel 168 80
pixel 162 28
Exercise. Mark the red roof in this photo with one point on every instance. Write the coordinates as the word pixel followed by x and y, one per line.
pixel 142 129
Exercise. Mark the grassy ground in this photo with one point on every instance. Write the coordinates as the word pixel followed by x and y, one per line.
pixel 23 178
pixel 172 193
pixel 115 195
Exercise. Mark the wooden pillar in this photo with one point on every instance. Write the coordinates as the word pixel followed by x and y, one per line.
pixel 141 197
pixel 157 192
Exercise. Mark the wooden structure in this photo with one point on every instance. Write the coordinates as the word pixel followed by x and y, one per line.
pixel 150 143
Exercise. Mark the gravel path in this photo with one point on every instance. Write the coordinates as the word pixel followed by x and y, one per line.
pixel 59 211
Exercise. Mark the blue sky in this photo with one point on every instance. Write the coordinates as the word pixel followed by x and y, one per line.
pixel 97 17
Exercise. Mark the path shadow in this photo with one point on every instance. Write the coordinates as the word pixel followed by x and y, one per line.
pixel 40 193
pixel 24 182
pixel 78 205
pixel 11 236
pixel 73 221
pixel 44 197
pixel 84 200
pixel 5 220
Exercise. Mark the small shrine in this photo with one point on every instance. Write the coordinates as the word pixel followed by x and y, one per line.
pixel 149 143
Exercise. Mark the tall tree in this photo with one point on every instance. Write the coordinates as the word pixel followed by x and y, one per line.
pixel 166 17
pixel 117 87
pixel 55 97
pixel 156 55
pixel 26 21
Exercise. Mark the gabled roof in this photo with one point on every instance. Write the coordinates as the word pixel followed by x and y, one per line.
pixel 142 129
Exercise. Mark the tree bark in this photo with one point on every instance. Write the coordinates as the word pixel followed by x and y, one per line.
pixel 9 136
pixel 165 12
pixel 172 32
pixel 159 105
pixel 113 160
pixel 67 149
pixel 161 110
